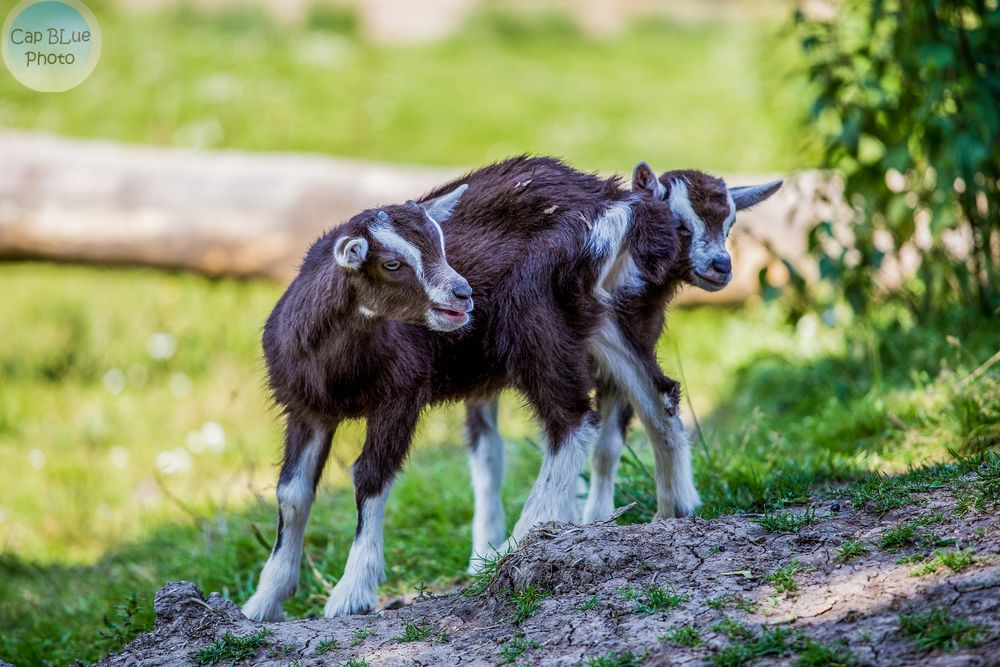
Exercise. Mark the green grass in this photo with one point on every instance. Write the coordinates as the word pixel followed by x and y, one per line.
pixel 850 549
pixel 783 578
pixel 816 654
pixel 526 602
pixel 956 560
pixel 593 602
pixel 87 413
pixel 502 85
pixel 415 632
pixel 913 533
pixel 685 635
pixel 231 648
pixel 614 659
pixel 356 662
pixel 939 628
pixel 327 645
pixel 732 629
pixel 771 643
pixel 514 649
pixel 360 635
pixel 787 522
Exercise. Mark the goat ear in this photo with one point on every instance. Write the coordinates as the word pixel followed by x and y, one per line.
pixel 751 195
pixel 350 252
pixel 440 208
pixel 644 178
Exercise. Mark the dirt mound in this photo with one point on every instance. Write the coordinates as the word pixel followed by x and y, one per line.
pixel 919 585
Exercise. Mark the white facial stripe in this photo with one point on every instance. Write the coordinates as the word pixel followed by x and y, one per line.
pixel 439 231
pixel 731 218
pixel 387 235
pixel 680 204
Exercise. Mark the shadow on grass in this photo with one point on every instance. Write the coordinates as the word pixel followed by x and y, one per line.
pixel 56 614
pixel 893 397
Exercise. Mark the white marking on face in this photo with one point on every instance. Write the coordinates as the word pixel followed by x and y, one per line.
pixel 365 569
pixel 731 218
pixel 280 577
pixel 439 231
pixel 366 312
pixel 385 233
pixel 703 249
pixel 489 527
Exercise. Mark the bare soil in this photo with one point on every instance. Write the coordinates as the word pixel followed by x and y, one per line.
pixel 587 573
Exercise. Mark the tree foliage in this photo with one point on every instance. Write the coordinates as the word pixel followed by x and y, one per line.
pixel 908 108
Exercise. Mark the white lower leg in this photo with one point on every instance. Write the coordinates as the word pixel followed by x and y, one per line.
pixel 676 494
pixel 553 497
pixel 365 570
pixel 489 527
pixel 604 466
pixel 280 577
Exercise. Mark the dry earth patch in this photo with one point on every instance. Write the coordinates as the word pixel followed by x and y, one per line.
pixel 828 584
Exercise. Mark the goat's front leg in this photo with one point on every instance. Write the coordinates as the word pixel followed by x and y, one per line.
pixel 389 433
pixel 654 397
pixel 489 527
pixel 306 449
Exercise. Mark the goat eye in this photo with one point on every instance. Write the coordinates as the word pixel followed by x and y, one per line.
pixel 391 265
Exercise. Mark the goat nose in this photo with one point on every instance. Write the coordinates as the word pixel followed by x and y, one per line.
pixel 722 264
pixel 462 290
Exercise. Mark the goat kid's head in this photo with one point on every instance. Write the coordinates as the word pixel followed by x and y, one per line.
pixel 705 209
pixel 394 258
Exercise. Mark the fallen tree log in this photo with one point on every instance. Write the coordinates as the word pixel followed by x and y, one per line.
pixel 245 214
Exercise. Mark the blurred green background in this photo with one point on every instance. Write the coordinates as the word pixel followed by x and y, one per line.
pixel 136 434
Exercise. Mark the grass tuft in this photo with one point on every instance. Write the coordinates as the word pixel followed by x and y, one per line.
pixel 327 645
pixel 783 578
pixel 914 533
pixel 231 648
pixel 514 649
pixel 593 602
pixel 850 549
pixel 732 629
pixel 360 635
pixel 939 628
pixel 787 522
pixel 685 635
pixel 612 659
pixel 414 632
pixel 526 602
pixel 488 566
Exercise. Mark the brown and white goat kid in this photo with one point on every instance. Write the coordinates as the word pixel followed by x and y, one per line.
pixel 376 326
pixel 704 209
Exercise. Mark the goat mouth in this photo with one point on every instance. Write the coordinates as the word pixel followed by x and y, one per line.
pixel 711 283
pixel 451 315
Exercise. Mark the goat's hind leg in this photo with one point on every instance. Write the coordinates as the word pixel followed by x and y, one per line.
pixel 654 396
pixel 489 527
pixel 306 449
pixel 615 415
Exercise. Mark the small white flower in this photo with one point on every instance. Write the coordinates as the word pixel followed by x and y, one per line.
pixel 36 458
pixel 214 437
pixel 161 346
pixel 114 381
pixel 173 461
pixel 118 456
pixel 180 384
